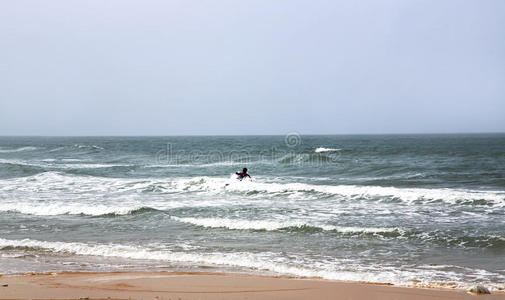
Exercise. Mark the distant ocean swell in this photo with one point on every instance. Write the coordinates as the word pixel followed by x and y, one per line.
pixel 195 157
pixel 319 158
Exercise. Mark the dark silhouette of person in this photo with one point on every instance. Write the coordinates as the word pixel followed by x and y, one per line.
pixel 243 174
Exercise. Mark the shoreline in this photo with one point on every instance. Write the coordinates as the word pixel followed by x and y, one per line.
pixel 208 285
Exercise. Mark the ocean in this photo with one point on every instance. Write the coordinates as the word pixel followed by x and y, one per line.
pixel 411 210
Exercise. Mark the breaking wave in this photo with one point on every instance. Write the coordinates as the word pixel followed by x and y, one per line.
pixel 323 149
pixel 276 225
pixel 62 208
pixel 259 262
pixel 28 148
pixel 333 269
pixel 354 192
pixel 60 184
pixel 91 147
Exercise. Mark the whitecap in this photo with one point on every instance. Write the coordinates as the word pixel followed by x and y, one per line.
pixel 276 225
pixel 28 148
pixel 65 208
pixel 323 149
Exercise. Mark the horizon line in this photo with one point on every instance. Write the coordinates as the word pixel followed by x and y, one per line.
pixel 284 134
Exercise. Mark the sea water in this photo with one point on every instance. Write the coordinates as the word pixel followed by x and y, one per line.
pixel 401 209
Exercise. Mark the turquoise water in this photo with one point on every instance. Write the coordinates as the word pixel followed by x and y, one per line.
pixel 393 208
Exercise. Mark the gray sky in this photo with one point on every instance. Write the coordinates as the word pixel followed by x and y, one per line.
pixel 116 67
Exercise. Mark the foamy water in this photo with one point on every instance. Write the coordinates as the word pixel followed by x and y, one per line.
pixel 402 209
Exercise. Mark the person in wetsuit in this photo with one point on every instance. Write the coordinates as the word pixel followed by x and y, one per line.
pixel 243 174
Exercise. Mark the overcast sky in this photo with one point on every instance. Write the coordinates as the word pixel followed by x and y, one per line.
pixel 116 67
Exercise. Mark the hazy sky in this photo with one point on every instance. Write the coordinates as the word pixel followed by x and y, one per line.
pixel 116 67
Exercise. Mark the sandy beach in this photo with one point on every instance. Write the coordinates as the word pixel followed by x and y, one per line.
pixel 167 285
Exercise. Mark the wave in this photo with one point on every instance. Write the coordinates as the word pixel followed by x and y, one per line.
pixel 78 147
pixel 323 149
pixel 450 240
pixel 447 239
pixel 17 162
pixel 276 225
pixel 182 165
pixel 60 185
pixel 205 165
pixel 28 148
pixel 239 259
pixel 136 211
pixel 307 158
pixel 65 208
pixel 91 147
pixel 388 194
pixel 53 164
pixel 89 166
pixel 57 149
pixel 333 269
pixel 121 208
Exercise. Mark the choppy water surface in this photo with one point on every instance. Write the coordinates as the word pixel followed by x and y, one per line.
pixel 424 209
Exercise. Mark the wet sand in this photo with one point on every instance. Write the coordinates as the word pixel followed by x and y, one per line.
pixel 166 285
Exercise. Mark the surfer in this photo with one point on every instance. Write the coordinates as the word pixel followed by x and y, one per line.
pixel 243 174
pixel 240 176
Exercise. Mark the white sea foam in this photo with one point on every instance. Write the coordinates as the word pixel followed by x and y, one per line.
pixel 265 262
pixel 275 225
pixel 28 148
pixel 78 146
pixel 87 146
pixel 262 261
pixel 323 149
pixel 52 193
pixel 57 149
pixel 64 208
pixel 376 192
